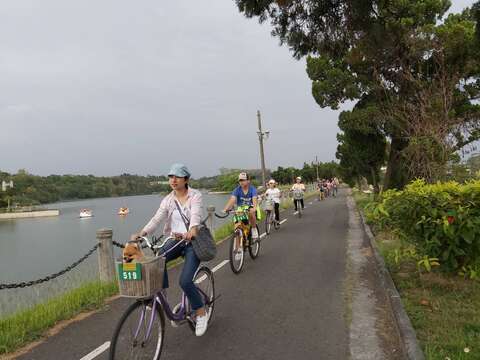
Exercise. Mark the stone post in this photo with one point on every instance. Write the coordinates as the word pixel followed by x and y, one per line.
pixel 106 263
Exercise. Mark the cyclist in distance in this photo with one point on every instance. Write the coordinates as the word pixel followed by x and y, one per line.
pixel 273 193
pixel 245 194
pixel 190 202
pixel 300 187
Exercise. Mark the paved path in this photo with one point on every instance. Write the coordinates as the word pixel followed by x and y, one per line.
pixel 287 304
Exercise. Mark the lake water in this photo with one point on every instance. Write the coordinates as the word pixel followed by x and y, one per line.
pixel 33 248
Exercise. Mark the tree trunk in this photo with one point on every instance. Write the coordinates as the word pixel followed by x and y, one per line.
pixel 373 174
pixel 396 176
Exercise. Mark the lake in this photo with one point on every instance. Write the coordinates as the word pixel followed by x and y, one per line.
pixel 33 248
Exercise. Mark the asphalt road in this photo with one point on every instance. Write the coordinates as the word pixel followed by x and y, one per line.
pixel 287 304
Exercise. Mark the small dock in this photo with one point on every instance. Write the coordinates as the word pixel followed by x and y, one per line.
pixel 28 214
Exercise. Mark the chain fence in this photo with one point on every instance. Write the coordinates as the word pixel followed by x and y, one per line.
pixel 24 284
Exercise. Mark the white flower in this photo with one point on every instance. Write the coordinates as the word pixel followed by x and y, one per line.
pixel 467 350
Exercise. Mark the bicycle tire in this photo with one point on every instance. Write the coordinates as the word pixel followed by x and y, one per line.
pixel 118 340
pixel 210 302
pixel 268 222
pixel 254 246
pixel 299 210
pixel 236 269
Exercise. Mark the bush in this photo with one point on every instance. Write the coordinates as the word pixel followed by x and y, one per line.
pixel 442 220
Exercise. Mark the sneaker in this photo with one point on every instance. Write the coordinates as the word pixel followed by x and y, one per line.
pixel 254 233
pixel 201 325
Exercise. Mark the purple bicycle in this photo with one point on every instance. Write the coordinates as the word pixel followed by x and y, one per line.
pixel 140 331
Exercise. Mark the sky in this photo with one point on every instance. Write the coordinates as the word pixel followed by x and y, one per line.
pixel 116 86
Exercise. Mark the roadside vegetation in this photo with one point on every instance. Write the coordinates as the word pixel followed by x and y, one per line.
pixel 29 325
pixel 429 236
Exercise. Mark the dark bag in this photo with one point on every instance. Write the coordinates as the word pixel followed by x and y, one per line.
pixel 203 244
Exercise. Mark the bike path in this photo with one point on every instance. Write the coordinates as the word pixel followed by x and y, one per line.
pixel 286 304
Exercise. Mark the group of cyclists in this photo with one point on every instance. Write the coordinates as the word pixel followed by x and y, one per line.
pixel 184 202
pixel 327 187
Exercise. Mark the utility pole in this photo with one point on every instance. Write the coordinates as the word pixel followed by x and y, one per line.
pixel 316 161
pixel 261 135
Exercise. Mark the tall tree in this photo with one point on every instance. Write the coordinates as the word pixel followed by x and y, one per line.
pixel 422 73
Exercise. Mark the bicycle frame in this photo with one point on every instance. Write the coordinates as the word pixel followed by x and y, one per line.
pixel 160 299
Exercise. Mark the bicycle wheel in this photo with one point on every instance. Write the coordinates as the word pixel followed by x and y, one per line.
pixel 236 252
pixel 299 210
pixel 254 247
pixel 128 341
pixel 205 284
pixel 268 222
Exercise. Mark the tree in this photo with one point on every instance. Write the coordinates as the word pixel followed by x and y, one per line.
pixel 422 74
pixel 362 147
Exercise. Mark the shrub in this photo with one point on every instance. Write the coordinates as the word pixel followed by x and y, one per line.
pixel 442 220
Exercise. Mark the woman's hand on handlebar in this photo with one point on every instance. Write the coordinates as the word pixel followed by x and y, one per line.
pixel 138 235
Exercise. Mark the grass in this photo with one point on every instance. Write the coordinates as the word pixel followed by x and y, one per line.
pixel 28 325
pixel 444 308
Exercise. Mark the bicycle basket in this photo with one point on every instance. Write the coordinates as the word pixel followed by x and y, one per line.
pixel 268 205
pixel 140 279
pixel 298 194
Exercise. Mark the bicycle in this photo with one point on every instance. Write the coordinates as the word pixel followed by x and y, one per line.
pixel 140 331
pixel 297 196
pixel 241 240
pixel 270 216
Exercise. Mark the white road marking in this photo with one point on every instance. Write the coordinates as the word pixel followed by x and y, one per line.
pixel 284 220
pixel 219 266
pixel 263 235
pixel 310 203
pixel 97 351
pixel 295 213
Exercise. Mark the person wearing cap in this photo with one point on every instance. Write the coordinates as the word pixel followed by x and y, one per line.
pixel 245 194
pixel 298 186
pixel 190 202
pixel 273 193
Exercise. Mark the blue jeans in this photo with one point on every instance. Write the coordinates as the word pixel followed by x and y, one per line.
pixel 190 266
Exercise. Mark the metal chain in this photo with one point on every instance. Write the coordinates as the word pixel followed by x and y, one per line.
pixel 50 277
pixel 117 244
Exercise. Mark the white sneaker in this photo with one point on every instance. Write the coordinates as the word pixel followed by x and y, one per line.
pixel 254 233
pixel 201 325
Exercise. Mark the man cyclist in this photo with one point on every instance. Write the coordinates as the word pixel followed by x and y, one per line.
pixel 245 194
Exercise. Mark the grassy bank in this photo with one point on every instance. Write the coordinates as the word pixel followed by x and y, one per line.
pixel 28 325
pixel 444 308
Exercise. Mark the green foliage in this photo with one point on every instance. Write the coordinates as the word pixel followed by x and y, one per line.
pixel 442 220
pixel 308 172
pixel 420 70
pixel 32 189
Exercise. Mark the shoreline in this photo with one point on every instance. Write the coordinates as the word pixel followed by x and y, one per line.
pixel 29 214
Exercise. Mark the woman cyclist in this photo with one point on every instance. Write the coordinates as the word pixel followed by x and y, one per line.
pixel 273 194
pixel 298 187
pixel 190 203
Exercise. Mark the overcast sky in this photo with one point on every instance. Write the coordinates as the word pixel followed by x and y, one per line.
pixel 107 87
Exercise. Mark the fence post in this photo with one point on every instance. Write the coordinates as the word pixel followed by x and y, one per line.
pixel 106 263
pixel 211 211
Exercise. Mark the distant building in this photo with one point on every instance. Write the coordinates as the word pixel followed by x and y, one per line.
pixel 6 185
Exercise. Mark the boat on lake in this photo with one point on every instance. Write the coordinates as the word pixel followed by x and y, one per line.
pixel 123 211
pixel 86 213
